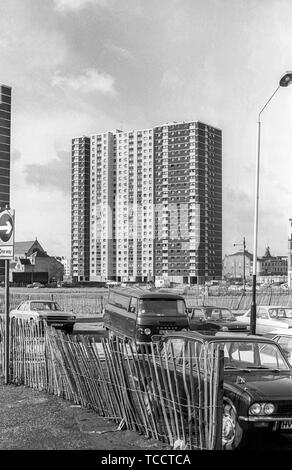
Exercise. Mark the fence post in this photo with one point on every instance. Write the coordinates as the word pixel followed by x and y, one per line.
pixel 219 404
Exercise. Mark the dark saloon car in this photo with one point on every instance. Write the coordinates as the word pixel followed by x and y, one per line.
pixel 257 389
pixel 215 318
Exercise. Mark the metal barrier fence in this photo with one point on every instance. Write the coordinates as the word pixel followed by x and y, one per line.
pixel 239 302
pixel 146 390
pixel 84 304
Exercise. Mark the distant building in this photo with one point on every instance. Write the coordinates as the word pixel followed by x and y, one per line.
pixel 273 265
pixel 267 265
pixel 32 264
pixel 80 208
pixel 5 131
pixel 66 262
pixel 233 265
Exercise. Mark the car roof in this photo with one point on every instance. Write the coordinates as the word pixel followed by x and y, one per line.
pixel 217 336
pixel 145 294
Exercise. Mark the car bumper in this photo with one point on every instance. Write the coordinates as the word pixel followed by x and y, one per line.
pixel 269 423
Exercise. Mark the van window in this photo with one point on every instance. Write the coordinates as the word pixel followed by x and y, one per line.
pixel 133 303
pixel 119 300
pixel 163 307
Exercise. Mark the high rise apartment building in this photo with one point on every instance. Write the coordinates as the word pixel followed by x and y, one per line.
pixel 155 203
pixel 80 208
pixel 188 202
pixel 5 131
pixel 102 187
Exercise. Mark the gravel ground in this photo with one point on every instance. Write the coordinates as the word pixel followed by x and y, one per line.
pixel 33 420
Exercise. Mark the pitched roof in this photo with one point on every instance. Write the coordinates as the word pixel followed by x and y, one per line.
pixel 20 248
pixel 23 248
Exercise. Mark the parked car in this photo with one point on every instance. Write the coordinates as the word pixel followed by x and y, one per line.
pixel 47 310
pixel 270 317
pixel 35 285
pixel 215 318
pixel 284 338
pixel 257 381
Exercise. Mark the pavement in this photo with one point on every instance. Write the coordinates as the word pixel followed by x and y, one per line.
pixel 33 420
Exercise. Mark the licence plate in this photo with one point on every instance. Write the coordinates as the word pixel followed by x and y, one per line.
pixel 286 425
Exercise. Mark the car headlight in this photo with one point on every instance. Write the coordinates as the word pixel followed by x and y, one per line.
pixel 147 331
pixel 261 409
pixel 224 328
pixel 255 409
pixel 268 408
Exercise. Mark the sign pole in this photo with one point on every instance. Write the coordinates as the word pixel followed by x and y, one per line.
pixel 7 365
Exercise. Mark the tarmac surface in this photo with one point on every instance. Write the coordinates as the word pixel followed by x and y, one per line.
pixel 33 420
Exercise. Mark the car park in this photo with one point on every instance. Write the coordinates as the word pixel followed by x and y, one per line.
pixel 45 310
pixel 138 314
pixel 269 317
pixel 257 388
pixel 215 318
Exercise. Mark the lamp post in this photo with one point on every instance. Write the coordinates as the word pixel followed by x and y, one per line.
pixel 243 274
pixel 285 81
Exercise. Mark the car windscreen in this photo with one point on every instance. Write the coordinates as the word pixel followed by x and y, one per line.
pixel 162 307
pixel 52 306
pixel 253 355
pixel 219 314
pixel 279 313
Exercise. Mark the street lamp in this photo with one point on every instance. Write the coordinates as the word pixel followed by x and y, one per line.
pixel 285 81
pixel 244 246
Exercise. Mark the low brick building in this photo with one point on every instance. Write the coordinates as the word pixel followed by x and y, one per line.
pixel 31 263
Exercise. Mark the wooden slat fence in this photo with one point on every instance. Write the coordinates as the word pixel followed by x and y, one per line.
pixel 176 401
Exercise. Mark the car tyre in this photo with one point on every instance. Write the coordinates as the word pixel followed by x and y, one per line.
pixel 232 433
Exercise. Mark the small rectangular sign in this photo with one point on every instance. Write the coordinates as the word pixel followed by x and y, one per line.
pixel 6 252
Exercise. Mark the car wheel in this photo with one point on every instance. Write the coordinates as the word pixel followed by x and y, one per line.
pixel 232 432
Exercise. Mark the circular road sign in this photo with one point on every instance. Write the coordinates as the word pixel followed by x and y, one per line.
pixel 6 226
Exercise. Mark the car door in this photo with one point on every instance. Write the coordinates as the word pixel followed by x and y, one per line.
pixel 263 322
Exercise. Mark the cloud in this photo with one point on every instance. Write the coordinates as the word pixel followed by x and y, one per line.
pixel 119 51
pixel 76 5
pixel 90 80
pixel 55 174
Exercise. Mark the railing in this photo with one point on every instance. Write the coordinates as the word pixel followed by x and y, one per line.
pixel 143 389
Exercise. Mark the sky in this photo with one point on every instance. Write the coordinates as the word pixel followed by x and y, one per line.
pixel 79 67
